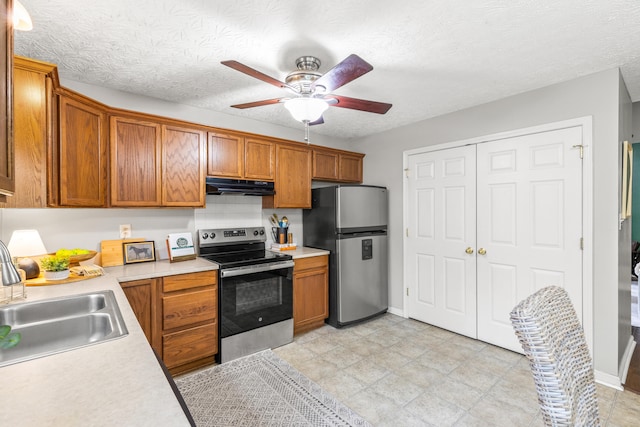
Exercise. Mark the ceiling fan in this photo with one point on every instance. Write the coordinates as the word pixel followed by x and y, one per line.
pixel 312 89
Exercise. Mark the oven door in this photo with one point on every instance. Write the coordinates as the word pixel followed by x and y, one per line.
pixel 255 296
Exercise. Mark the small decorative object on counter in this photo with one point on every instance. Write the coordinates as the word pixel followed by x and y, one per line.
pixel 55 267
pixel 139 252
pixel 76 256
pixel 180 247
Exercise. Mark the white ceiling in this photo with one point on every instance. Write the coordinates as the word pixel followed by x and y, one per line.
pixel 429 57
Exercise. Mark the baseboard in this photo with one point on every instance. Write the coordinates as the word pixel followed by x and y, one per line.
pixel 396 311
pixel 608 380
pixel 626 359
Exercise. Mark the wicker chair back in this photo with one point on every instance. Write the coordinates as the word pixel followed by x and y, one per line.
pixel 553 340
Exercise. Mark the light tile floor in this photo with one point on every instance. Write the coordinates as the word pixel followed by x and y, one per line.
pixel 401 372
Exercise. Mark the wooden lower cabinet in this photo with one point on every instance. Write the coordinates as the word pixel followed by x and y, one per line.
pixel 187 346
pixel 142 295
pixel 179 315
pixel 310 292
pixel 189 320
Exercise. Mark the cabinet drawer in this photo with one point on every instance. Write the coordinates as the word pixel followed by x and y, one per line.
pixel 188 281
pixel 187 309
pixel 192 344
pixel 310 262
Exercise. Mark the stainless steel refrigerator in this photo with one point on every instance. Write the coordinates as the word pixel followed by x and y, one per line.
pixel 350 221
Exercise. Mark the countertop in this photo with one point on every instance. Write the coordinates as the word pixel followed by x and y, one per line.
pixel 303 252
pixel 116 382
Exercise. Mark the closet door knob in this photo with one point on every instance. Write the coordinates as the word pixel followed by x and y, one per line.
pixel 482 251
pixel 469 250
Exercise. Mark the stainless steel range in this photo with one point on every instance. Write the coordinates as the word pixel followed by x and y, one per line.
pixel 255 299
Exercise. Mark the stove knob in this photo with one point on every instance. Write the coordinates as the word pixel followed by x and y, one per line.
pixel 212 236
pixel 205 235
pixel 255 232
pixel 261 232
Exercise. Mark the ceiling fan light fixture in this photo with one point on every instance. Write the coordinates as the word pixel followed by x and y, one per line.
pixel 305 109
pixel 21 18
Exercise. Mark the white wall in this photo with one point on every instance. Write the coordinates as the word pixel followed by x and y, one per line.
pixel 86 228
pixel 595 95
pixel 625 128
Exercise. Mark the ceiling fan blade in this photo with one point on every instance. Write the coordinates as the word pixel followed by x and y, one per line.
pixel 361 104
pixel 258 103
pixel 257 74
pixel 349 69
pixel 317 122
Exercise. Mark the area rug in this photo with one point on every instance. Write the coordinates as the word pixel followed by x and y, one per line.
pixel 261 390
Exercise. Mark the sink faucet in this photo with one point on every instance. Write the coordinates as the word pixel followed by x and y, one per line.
pixel 13 286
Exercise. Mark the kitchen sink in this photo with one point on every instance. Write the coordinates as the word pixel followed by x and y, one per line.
pixel 60 324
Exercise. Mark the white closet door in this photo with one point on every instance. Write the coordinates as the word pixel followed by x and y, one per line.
pixel 440 275
pixel 529 223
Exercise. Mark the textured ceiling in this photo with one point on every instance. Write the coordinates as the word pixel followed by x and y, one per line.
pixel 429 57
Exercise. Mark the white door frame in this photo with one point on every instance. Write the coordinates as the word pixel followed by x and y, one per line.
pixel 586 123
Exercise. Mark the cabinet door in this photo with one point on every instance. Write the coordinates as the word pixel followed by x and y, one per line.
pixel 183 175
pixel 142 297
pixel 350 169
pixel 135 163
pixel 310 293
pixel 325 165
pixel 7 181
pixel 31 126
pixel 259 159
pixel 82 158
pixel 293 178
pixel 225 155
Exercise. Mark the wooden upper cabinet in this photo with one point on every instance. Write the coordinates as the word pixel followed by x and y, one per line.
pixel 337 166
pixel 82 153
pixel 259 159
pixel 33 108
pixel 183 174
pixel 325 165
pixel 135 162
pixel 225 155
pixel 350 168
pixel 7 165
pixel 238 156
pixel 154 164
pixel 293 178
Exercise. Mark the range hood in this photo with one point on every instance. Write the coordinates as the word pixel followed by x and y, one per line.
pixel 239 186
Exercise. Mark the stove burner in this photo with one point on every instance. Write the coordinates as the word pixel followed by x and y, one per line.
pixel 236 247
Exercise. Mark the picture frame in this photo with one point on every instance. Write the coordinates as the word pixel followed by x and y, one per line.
pixel 135 252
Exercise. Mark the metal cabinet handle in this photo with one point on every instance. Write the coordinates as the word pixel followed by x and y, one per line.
pixel 469 250
pixel 482 251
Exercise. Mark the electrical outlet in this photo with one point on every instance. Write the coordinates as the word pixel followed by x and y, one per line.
pixel 125 231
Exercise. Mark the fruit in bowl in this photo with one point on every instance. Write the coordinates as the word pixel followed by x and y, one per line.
pixel 75 255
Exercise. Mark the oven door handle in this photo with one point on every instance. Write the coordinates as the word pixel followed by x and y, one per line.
pixel 241 271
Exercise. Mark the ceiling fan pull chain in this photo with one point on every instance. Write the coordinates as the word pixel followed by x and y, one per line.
pixel 306 131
